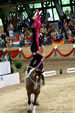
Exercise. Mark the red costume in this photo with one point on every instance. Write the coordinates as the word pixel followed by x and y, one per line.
pixel 36 25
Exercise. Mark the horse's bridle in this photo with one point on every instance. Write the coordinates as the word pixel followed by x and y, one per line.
pixel 35 83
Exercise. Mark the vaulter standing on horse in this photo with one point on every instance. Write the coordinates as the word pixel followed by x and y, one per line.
pixel 37 48
pixel 35 29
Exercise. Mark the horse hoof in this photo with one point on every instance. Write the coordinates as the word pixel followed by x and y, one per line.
pixel 37 103
pixel 29 111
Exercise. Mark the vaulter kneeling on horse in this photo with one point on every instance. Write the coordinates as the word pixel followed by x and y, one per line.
pixel 37 62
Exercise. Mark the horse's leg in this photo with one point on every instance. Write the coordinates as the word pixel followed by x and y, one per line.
pixel 32 97
pixel 29 102
pixel 34 104
pixel 37 101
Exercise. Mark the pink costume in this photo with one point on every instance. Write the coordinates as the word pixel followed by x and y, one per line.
pixel 36 25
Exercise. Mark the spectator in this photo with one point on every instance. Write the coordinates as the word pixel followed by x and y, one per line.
pixel 11 42
pixel 11 26
pixel 60 25
pixel 5 23
pixel 50 28
pixel 17 36
pixel 15 24
pixel 11 33
pixel 69 33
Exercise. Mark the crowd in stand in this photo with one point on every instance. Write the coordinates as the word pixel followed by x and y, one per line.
pixel 19 29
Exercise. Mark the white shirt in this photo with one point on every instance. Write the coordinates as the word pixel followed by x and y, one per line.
pixel 11 33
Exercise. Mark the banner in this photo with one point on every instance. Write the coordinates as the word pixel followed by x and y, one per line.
pixel 5 67
pixel 8 80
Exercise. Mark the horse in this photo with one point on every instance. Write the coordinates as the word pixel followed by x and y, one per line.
pixel 33 85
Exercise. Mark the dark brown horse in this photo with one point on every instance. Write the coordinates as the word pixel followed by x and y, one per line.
pixel 33 83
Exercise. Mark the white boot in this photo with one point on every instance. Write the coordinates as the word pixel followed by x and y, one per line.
pixel 34 109
pixel 29 107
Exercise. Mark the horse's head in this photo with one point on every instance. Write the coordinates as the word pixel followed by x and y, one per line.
pixel 34 78
pixel 36 75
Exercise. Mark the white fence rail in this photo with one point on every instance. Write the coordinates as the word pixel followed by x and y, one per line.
pixel 49 73
pixel 71 70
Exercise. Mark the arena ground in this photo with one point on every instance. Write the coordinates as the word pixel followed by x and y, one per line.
pixel 57 95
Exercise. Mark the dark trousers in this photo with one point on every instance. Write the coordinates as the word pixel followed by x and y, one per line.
pixel 34 62
pixel 34 47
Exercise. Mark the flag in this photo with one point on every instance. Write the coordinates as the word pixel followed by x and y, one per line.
pixel 58 42
pixel 16 42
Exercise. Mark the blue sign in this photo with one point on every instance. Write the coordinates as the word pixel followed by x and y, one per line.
pixel 1 78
